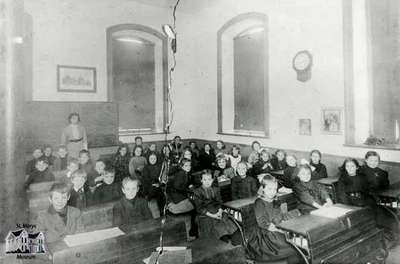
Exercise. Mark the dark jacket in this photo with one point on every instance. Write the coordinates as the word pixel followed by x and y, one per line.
pixel 177 188
pixel 376 179
pixel 207 161
pixel 80 199
pixel 309 192
pixel 319 172
pixel 107 193
pixel 39 176
pixel 128 212
pixel 150 175
pixel 243 188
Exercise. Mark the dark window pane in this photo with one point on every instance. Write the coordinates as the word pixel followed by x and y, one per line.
pixel 249 82
pixel 134 83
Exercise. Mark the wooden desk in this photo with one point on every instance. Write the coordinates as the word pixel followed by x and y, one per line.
pixel 389 198
pixel 277 173
pixel 352 238
pixel 330 184
pixel 138 243
pixel 240 209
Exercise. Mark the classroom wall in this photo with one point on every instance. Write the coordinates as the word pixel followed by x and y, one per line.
pixel 70 32
pixel 314 25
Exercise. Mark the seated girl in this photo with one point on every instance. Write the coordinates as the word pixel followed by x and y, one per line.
pixel 289 172
pixel 267 242
pixel 263 165
pixel 151 185
pixel 351 184
pixel 279 160
pixel 220 148
pixel 187 154
pixel 376 178
pixel 235 157
pixel 137 162
pixel 195 150
pixel 243 186
pixel 319 169
pixel 223 169
pixel 310 194
pixel 255 154
pixel 178 190
pixel 208 203
pixel 121 163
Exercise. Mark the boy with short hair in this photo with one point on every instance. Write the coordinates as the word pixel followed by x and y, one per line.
pixel 61 160
pixel 60 219
pixel 30 166
pixel 41 173
pixel 109 190
pixel 80 196
pixel 130 209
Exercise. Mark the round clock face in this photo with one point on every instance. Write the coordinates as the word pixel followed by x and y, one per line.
pixel 302 60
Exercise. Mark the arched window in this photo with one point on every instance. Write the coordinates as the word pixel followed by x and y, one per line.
pixel 137 65
pixel 243 76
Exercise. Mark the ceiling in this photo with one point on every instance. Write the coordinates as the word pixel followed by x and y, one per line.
pixel 188 6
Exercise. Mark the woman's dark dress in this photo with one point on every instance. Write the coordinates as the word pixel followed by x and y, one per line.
pixel 264 245
pixel 209 200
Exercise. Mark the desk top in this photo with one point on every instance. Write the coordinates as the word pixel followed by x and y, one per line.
pixel 392 192
pixel 329 180
pixel 305 223
pixel 240 203
pixel 277 172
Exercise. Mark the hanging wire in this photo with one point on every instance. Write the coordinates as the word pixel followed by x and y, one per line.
pixel 170 81
pixel 165 166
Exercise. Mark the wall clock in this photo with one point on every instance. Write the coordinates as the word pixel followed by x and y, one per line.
pixel 302 63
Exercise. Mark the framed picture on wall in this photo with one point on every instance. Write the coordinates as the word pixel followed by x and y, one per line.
pixel 305 127
pixel 76 79
pixel 331 122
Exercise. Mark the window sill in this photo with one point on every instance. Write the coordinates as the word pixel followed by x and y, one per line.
pixel 242 135
pixel 124 134
pixel 386 147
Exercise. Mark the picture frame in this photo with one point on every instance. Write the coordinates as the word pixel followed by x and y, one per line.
pixel 305 127
pixel 76 79
pixel 331 120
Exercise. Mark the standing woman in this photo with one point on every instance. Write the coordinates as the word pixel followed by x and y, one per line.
pixel 74 136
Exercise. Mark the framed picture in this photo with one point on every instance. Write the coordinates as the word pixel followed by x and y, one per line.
pixel 331 122
pixel 305 127
pixel 76 79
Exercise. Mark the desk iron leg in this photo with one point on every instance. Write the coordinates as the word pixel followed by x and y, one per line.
pixel 301 252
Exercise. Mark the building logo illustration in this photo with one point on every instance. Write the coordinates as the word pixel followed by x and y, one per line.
pixel 23 242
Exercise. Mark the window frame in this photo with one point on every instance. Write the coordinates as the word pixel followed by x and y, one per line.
pixel 243 18
pixel 164 56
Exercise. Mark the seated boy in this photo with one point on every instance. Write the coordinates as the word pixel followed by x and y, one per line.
pixel 80 196
pixel 59 220
pixel 109 190
pixel 130 209
pixel 73 165
pixel 95 176
pixel 61 160
pixel 30 166
pixel 41 173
